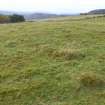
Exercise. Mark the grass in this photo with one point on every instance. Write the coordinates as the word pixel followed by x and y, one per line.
pixel 58 62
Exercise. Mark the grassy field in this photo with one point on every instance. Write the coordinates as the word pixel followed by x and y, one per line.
pixel 53 62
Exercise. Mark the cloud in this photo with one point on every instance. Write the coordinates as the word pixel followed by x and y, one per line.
pixel 57 6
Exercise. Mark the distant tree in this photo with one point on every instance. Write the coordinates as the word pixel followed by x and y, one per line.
pixel 17 18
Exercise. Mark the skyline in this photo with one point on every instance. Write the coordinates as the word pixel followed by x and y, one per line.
pixel 55 6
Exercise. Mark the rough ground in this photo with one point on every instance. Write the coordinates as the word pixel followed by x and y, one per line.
pixel 60 62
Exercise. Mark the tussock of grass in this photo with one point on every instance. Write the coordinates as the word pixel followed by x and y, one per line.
pixel 91 80
pixel 66 53
pixel 101 94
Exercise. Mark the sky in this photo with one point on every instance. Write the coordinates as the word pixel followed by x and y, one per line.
pixel 52 6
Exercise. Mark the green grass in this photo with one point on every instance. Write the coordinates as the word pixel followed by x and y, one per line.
pixel 59 62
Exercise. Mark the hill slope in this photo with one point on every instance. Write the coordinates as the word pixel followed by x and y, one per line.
pixel 53 63
pixel 97 11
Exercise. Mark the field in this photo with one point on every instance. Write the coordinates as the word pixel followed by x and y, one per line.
pixel 59 62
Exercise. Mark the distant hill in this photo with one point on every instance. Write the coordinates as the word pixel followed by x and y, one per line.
pixel 6 13
pixel 34 16
pixel 29 15
pixel 93 12
pixel 39 16
pixel 97 11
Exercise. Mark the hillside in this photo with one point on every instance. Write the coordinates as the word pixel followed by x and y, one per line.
pixel 97 11
pixel 58 62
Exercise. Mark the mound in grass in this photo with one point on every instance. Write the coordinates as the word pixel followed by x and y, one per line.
pixel 91 80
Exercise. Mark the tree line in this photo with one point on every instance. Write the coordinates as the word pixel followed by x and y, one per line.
pixel 12 18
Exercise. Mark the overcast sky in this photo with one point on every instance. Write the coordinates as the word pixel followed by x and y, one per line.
pixel 53 6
